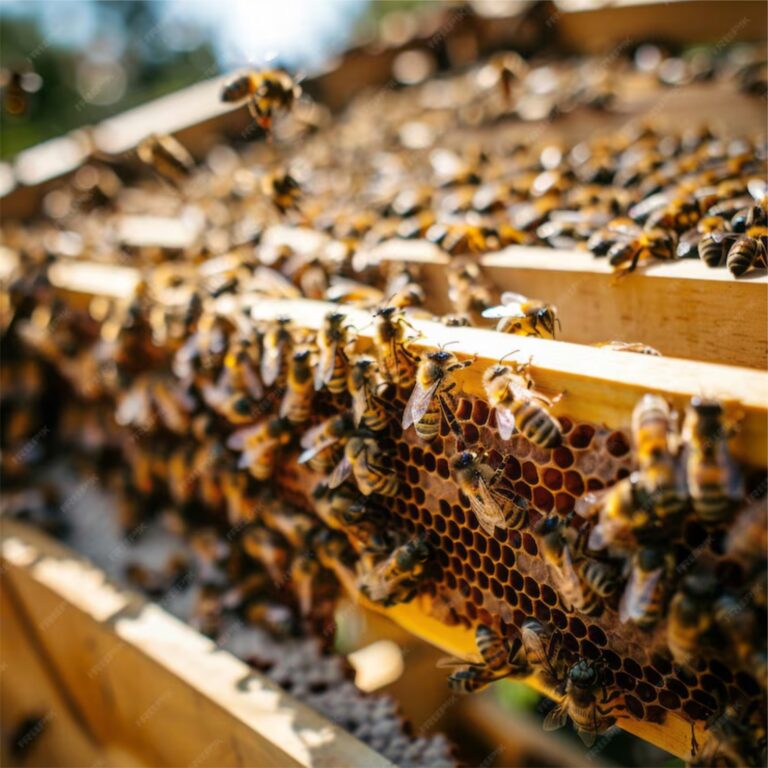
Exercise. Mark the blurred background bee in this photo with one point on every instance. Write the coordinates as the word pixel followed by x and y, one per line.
pixel 366 388
pixel 391 339
pixel 690 618
pixel 523 316
pixel 434 381
pixel 259 445
pixel 364 459
pixel 650 579
pixel 282 190
pixel 267 92
pixel 396 579
pixel 333 341
pixel 518 406
pixel 323 444
pixel 477 481
pixel 167 156
pixel 296 404
pixel 278 344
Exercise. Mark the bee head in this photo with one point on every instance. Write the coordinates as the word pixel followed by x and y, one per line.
pixel 335 318
pixel 650 558
pixel 583 674
pixel 700 586
pixel 547 525
pixel 707 408
pixel 440 357
pixel 385 312
pixel 464 459
pixel 242 406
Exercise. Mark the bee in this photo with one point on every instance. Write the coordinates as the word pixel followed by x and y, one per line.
pixel 628 346
pixel 396 579
pixel 518 406
pixel 434 381
pixel 555 548
pixel 278 344
pixel 690 618
pixel 390 338
pixel 364 459
pixel 696 241
pixel 639 244
pixel 323 444
pixel 238 391
pixel 644 599
pixel 467 290
pixel 747 540
pixel 356 294
pixel 260 444
pixel 403 289
pixel 332 342
pixel 167 157
pixel 296 405
pixel 748 251
pixel 366 387
pixel 500 657
pixel 542 647
pixel 282 189
pixel 735 738
pixel 270 549
pixel 268 92
pixel 592 714
pixel 477 481
pixel 715 483
pixel 737 621
pixel 524 317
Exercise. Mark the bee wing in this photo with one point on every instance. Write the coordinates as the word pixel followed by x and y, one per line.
pixel 451 662
pixel 735 482
pixel 505 421
pixel 567 581
pixel 238 440
pixel 722 237
pixel 340 473
pixel 134 407
pixel 418 403
pixel 758 188
pixel 486 508
pixel 252 383
pixel 318 447
pixel 556 718
pixel 510 297
pixel 359 405
pixel 535 649
pixel 325 364
pixel 270 363
pixel 588 738
pixel 503 310
pixel 640 589
pixel 588 506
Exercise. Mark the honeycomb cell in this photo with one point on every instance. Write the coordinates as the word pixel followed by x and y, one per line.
pixel 400 466
pixel 476 596
pixel 523 489
pixel 530 473
pixel 595 484
pixel 559 619
pixel 405 491
pixel 631 667
pixel 669 700
pixel 576 627
pixel 494 549
pixel 548 595
pixel 514 538
pixel 516 580
pixel 581 436
pixel 597 636
pixel 461 550
pixel 400 506
pixel 443 470
pixel 463 587
pixel 705 699
pixel 552 478
pixel 525 604
pixel 530 545
pixel 531 588
pixel 508 557
pixel 458 514
pixel 720 671
pixel 453 529
pixel 471 610
pixel 464 409
pixel 612 660
pixel 645 692
pixel 574 483
pixel 542 613
pixel 571 643
pixel 445 507
pixel 566 425
pixel 474 558
pixel 482 580
pixel 634 706
pixel 442 556
pixel 512 469
pixel 438 446
pixel 430 463
pixel 695 711
pixel 466 538
pixel 426 515
pixel 481 543
pixel 487 565
pixel 510 596
pixel 501 572
pixel 413 476
pixel 564 503
pixel 480 412
pixel 624 681
pixel 543 499
pixel 419 496
pixel 563 457
pixel 661 663
pixel 403 451
pixel 652 676
pixel 410 526
pixel 677 687
pixel 497 589
pixel 471 433
pixel 440 524
pixel 617 444
pixel 450 579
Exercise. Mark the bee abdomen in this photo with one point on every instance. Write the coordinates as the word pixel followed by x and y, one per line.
pixel 376 419
pixel 537 425
pixel 710 251
pixel 742 256
pixel 428 427
pixel 337 384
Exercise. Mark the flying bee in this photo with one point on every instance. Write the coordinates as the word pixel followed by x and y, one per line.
pixel 396 579
pixel 333 339
pixel 278 343
pixel 591 714
pixel 492 508
pixel 644 599
pixel 434 381
pixel 323 444
pixel 500 657
pixel 690 618
pixel 268 92
pixel 391 339
pixel 715 484
pixel 518 406
pixel 259 445
pixel 296 405
pixel 366 388
pixel 167 157
pixel 628 346
pixel 364 459
pixel 524 317
pixel 282 189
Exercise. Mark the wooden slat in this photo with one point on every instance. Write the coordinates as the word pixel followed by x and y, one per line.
pixel 142 679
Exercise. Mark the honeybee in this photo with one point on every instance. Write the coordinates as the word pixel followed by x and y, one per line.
pixel 364 459
pixel 282 189
pixel 467 290
pixel 396 579
pixel 403 288
pixel 542 647
pixel 556 550
pixel 644 599
pixel 591 714
pixel 747 540
pixel 344 291
pixel 167 157
pixel 296 405
pixel 500 657
pixel 748 251
pixel 518 406
pixel 259 445
pixel 237 392
pixel 715 483
pixel 268 92
pixel 690 618
pixel 278 343
pixel 333 339
pixel 524 317
pixel 641 244
pixel 434 380
pixel 628 346
pixel 391 339
pixel 323 443
pixel 366 387
pixel 736 738
pixel 697 241
pixel 270 549
pixel 492 508
pixel 738 622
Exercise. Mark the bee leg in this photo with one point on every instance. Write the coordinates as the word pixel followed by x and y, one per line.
pixel 694 743
pixel 450 417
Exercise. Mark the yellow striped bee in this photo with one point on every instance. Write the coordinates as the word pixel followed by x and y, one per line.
pixel 237 391
pixel 296 405
pixel 277 346
pixel 434 381
pixel 270 549
pixel 323 444
pixel 500 657
pixel 492 508
pixel 592 714
pixel 282 189
pixel 523 316
pixel 542 647
pixel 715 484
pixel 396 579
pixel 366 387
pixel 645 597
pixel 750 250
pixel 518 406
pixel 333 340
pixel 390 339
pixel 167 157
pixel 364 459
pixel 690 618
pixel 268 92
pixel 259 445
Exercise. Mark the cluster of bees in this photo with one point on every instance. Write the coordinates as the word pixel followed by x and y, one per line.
pixel 296 432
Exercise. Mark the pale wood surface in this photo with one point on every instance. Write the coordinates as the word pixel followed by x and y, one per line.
pixel 142 679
